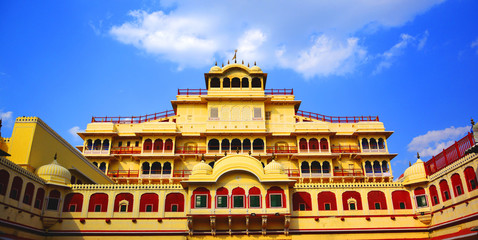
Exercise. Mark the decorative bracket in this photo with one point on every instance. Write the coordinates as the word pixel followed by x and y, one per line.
pixel 264 225
pixel 286 224
pixel 213 225
pixel 230 224
pixel 190 225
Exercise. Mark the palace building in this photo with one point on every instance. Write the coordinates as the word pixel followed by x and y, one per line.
pixel 234 160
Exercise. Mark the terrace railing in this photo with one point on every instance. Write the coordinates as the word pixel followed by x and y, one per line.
pixel 332 119
pixel 187 91
pixel 190 150
pixel 198 91
pixel 135 119
pixel 126 150
pixel 348 172
pixel 345 149
pixel 281 149
pixel 279 91
pixel 449 155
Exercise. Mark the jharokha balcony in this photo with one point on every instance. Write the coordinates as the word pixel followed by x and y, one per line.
pixel 147 174
pixel 345 149
pixel 281 149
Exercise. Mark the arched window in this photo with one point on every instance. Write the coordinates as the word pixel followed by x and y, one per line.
pixel 98 203
pixel 401 199
pixel 53 200
pixel 17 185
pixel 275 198
pixel 301 201
pixel 158 145
pixel 364 143
pixel 376 200
pixel 445 190
pixel 256 83
pixel 4 179
pixel 225 145
pixel 149 202
pixel 236 83
pixel 258 144
pixel 327 201
pixel 89 144
pixel 222 198
pixel 213 145
pixel 73 202
pixel 313 144
pixel 255 197
pixel 420 197
pixel 124 202
pixel 103 167
pixel 215 83
pixel 167 168
pixel 238 198
pixel 155 168
pixel 235 145
pixel 351 200
pixel 39 198
pixel 145 168
pixel 373 143
pixel 97 145
pixel 324 144
pixel 368 167
pixel 304 167
pixel 470 177
pixel 168 145
pixel 28 196
pixel 326 167
pixel 201 198
pixel 376 167
pixel 174 202
pixel 106 144
pixel 384 166
pixel 381 143
pixel 315 168
pixel 96 164
pixel 457 185
pixel 245 83
pixel 226 83
pixel 148 145
pixel 434 195
pixel 303 144
pixel 246 144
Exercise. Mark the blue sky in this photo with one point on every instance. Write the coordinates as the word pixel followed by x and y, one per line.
pixel 413 63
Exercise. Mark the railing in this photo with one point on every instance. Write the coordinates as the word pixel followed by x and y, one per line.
pixel 157 151
pixel 126 150
pixel 316 173
pixel 94 151
pixel 181 173
pixel 190 150
pixel 374 150
pixel 331 119
pixel 281 149
pixel 449 155
pixel 345 149
pixel 123 173
pixel 187 91
pixel 348 172
pixel 279 91
pixel 377 173
pixel 135 119
pixel 292 172
pixel 147 174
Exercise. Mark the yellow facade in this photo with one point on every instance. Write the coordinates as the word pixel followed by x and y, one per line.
pixel 235 161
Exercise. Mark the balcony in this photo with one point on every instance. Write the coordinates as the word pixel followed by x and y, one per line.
pixel 191 150
pixel 374 150
pixel 136 174
pixel 353 172
pixel 96 151
pixel 345 149
pixel 126 150
pixel 332 119
pixel 281 149
pixel 377 174
pixel 135 119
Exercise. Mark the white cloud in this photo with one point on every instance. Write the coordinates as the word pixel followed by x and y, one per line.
pixel 314 38
pixel 389 56
pixel 73 131
pixel 7 118
pixel 474 44
pixel 433 142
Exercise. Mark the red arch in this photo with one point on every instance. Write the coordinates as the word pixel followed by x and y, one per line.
pixel 148 144
pixel 28 196
pixel 445 190
pixel 303 143
pixel 201 191
pixel 149 199
pixel 401 196
pixel 255 191
pixel 434 195
pixel 17 185
pixel 124 196
pixel 457 185
pixel 327 197
pixel 313 144
pixel 275 190
pixel 4 179
pixel 299 198
pixel 39 198
pixel 174 198
pixel 75 199
pixel 238 191
pixel 98 199
pixel 470 177
pixel 374 197
pixel 351 194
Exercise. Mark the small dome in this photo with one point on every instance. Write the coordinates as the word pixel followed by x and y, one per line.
pixel 256 68
pixel 54 173
pixel 274 168
pixel 415 173
pixel 201 169
pixel 215 69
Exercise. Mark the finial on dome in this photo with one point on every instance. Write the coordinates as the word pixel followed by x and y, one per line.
pixel 228 62
pixel 472 122
pixel 247 64
pixel 250 152
pixel 273 156
pixel 202 157
pixel 222 64
pixel 237 150
pixel 259 157
pixel 234 58
pixel 418 155
pixel 242 62
pixel 409 163
pixel 254 63
pixel 215 64
pixel 225 153
pixel 55 156
pixel 215 157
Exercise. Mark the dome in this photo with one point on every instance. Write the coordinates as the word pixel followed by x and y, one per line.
pixel 415 173
pixel 54 173
pixel 256 68
pixel 274 168
pixel 215 69
pixel 201 169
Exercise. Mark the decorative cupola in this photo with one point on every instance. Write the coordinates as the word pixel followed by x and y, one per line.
pixel 415 173
pixel 202 168
pixel 54 173
pixel 274 168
